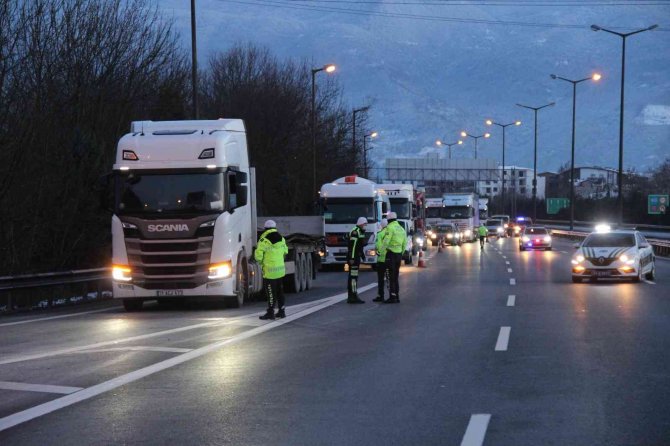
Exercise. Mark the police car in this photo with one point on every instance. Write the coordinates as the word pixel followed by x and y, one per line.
pixel 618 254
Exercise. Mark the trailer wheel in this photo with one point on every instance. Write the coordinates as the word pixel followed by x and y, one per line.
pixel 292 281
pixel 309 271
pixel 304 272
pixel 132 304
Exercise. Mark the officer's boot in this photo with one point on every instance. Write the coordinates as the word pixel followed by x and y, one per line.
pixel 269 315
pixel 378 299
pixel 280 314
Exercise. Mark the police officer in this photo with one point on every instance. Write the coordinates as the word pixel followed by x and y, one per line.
pixel 381 261
pixel 354 256
pixel 394 245
pixel 483 235
pixel 270 254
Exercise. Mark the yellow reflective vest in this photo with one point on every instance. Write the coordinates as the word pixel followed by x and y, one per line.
pixel 270 254
pixel 379 239
pixel 395 239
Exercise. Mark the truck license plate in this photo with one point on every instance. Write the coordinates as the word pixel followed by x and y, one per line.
pixel 163 293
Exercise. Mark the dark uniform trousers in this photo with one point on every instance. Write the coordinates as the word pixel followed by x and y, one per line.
pixel 274 291
pixel 381 277
pixel 393 264
pixel 352 283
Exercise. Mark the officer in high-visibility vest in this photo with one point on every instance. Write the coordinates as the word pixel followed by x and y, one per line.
pixel 354 256
pixel 381 261
pixel 394 245
pixel 270 254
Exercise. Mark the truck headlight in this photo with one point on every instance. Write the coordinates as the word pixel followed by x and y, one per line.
pixel 499 229
pixel 220 270
pixel 121 273
pixel 450 235
pixel 468 233
pixel 371 253
pixel 433 236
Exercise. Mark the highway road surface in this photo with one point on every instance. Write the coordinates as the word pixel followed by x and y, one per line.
pixel 494 347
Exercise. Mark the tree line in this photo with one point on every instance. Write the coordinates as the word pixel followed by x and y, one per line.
pixel 75 73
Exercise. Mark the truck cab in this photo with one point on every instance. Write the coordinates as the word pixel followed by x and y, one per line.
pixel 401 198
pixel 343 201
pixel 462 210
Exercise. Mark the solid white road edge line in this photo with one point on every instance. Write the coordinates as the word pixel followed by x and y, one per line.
pixel 476 430
pixel 511 300
pixel 44 388
pixel 90 392
pixel 139 348
pixel 503 339
pixel 7 324
pixel 511 282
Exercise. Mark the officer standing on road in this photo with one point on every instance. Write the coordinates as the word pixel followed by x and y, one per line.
pixel 381 261
pixel 394 245
pixel 270 254
pixel 354 256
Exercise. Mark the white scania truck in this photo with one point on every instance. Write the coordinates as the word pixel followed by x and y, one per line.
pixel 184 221
pixel 401 198
pixel 462 209
pixel 343 201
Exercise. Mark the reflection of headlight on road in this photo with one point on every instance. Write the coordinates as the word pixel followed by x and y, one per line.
pixel 468 233
pixel 433 235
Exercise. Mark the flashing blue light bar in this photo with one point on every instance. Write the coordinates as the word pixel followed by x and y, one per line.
pixel 521 219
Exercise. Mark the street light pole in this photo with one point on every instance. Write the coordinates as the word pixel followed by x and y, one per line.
pixel 328 69
pixel 535 110
pixel 353 129
pixel 194 64
pixel 365 151
pixel 623 76
pixel 476 138
pixel 503 126
pixel 449 144
pixel 595 77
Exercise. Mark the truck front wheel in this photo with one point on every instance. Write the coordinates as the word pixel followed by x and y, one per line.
pixel 242 286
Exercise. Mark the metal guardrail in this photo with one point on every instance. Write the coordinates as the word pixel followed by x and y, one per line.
pixel 10 285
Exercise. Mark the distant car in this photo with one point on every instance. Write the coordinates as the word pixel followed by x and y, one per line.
pixel 420 241
pixel 506 223
pixel 535 237
pixel 520 224
pixel 619 254
pixel 449 234
pixel 495 227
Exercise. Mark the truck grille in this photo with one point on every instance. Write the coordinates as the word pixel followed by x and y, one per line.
pixel 169 263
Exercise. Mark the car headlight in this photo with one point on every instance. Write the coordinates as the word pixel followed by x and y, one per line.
pixel 121 273
pixel 547 238
pixel 220 270
pixel 419 240
pixel 506 225
pixel 468 233
pixel 500 229
pixel 517 229
pixel 433 235
pixel 450 235
pixel 525 239
pixel 624 258
pixel 577 260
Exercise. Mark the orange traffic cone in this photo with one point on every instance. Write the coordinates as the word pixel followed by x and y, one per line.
pixel 421 263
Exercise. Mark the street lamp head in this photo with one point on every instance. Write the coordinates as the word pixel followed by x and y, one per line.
pixel 489 122
pixel 438 142
pixel 464 133
pixel 460 142
pixel 373 134
pixel 487 135
pixel 595 28
pixel 553 76
pixel 596 76
pixel 652 27
pixel 517 123
pixel 329 68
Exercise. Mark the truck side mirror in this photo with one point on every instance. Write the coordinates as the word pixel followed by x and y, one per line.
pixel 242 189
pixel 106 192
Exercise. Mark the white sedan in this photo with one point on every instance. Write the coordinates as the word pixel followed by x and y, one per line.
pixel 620 254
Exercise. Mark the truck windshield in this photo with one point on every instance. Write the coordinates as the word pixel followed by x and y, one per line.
pixel 402 207
pixel 434 212
pixel 457 212
pixel 144 193
pixel 348 210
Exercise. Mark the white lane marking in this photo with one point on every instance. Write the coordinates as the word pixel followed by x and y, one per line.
pixel 504 257
pixel 44 388
pixel 511 282
pixel 476 430
pixel 503 339
pixel 506 262
pixel 563 252
pixel 509 270
pixel 7 324
pixel 510 300
pixel 139 348
pixel 90 392
pixel 650 282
